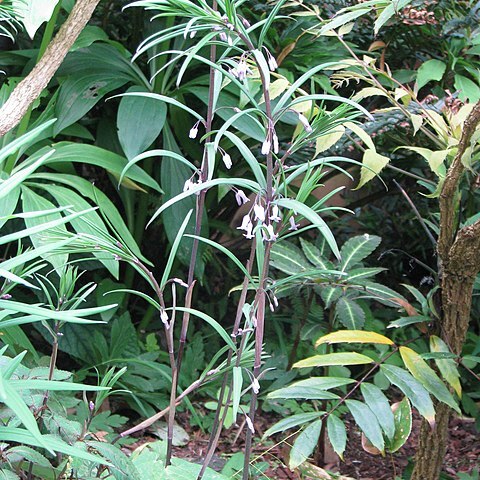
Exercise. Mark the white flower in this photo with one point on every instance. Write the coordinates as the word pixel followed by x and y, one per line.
pixel 227 160
pixel 275 301
pixel 246 23
pixel 241 198
pixel 223 37
pixel 164 317
pixel 293 225
pixel 241 70
pixel 249 235
pixel 193 33
pixel 266 147
pixel 193 131
pixel 272 63
pixel 188 185
pixel 259 212
pixel 245 223
pixel 272 236
pixel 249 423
pixel 275 143
pixel 255 385
pixel 275 216
pixel 304 122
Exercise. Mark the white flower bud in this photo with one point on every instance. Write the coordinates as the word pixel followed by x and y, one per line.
pixel 266 147
pixel 241 198
pixel 259 212
pixel 304 122
pixel 227 160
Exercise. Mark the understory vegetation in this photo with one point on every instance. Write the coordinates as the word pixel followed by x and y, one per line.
pixel 247 230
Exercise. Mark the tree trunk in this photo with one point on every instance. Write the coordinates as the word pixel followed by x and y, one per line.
pixel 456 304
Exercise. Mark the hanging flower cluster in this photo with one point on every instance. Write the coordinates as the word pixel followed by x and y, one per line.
pixel 267 219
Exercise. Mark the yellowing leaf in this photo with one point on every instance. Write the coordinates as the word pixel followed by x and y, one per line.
pixel 327 141
pixel 344 358
pixel 277 88
pixel 353 336
pixel 417 121
pixel 373 163
pixel 427 377
pixel 369 92
pixel 447 366
pixel 362 134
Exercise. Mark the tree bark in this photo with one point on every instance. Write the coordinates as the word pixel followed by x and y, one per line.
pixel 30 88
pixel 459 264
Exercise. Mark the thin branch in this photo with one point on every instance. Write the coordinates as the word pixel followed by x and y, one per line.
pixel 30 88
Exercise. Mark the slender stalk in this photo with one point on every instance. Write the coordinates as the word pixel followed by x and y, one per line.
pixel 23 125
pixel 219 422
pixel 193 258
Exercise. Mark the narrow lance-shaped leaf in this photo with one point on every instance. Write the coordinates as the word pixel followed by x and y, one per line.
pixel 353 336
pixel 367 422
pixel 343 358
pixel 291 422
pixel 305 444
pixel 413 390
pixel 349 313
pixel 378 404
pixel 447 367
pixel 429 379
pixel 337 434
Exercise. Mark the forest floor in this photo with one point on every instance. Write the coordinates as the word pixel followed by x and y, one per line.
pixel 463 453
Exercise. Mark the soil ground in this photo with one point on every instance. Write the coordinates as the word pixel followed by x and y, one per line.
pixel 463 455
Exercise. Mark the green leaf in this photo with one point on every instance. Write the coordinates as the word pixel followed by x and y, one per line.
pixel 314 218
pixel 122 466
pixel 213 323
pixel 311 389
pixel 134 111
pixel 90 34
pixel 367 422
pixel 33 13
pixel 288 258
pixel 429 379
pixel 330 294
pixel 25 140
pixel 78 94
pixel 447 367
pixel 344 358
pixel 108 209
pixel 353 336
pixel 21 436
pixel 291 422
pixel 92 155
pixel 87 224
pixel 357 249
pixel 8 185
pixel 343 19
pixel 467 89
pixel 8 205
pixel 412 389
pixel 404 321
pixel 53 385
pixel 32 202
pixel 403 424
pixel 173 251
pixel 372 164
pixel 304 444
pixel 173 177
pixel 314 256
pixel 378 404
pixel 12 399
pixel 388 12
pixel 430 70
pixel 337 434
pixel 349 313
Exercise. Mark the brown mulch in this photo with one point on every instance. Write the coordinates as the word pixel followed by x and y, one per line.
pixel 463 453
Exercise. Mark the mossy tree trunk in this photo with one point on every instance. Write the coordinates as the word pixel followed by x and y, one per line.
pixel 459 262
